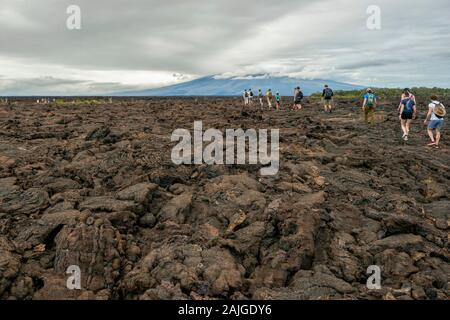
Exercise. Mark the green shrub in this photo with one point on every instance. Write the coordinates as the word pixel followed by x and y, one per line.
pixel 390 93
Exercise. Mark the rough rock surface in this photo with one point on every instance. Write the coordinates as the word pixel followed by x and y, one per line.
pixel 95 187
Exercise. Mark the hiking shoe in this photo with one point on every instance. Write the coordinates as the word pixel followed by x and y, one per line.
pixel 406 138
pixel 432 143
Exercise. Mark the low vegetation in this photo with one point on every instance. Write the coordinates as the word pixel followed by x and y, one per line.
pixel 387 93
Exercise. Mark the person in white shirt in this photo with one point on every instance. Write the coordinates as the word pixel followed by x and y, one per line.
pixel 246 95
pixel 435 116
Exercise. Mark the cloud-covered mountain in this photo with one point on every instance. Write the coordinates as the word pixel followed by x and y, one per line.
pixel 222 86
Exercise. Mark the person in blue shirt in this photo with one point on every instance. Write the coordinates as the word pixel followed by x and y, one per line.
pixel 407 114
pixel 405 91
pixel 369 106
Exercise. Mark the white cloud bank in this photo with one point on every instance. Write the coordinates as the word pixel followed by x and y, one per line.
pixel 140 44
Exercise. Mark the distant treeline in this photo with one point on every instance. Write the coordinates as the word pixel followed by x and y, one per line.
pixel 391 93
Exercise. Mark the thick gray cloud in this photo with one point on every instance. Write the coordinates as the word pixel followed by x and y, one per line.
pixel 57 86
pixel 141 44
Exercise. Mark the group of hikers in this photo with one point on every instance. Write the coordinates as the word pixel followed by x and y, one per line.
pixel 407 109
pixel 298 97
pixel 248 98
pixel 434 118
pixel 44 101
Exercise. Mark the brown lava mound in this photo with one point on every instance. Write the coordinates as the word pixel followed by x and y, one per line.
pixel 94 186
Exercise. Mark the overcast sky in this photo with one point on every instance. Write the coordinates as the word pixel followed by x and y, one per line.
pixel 141 44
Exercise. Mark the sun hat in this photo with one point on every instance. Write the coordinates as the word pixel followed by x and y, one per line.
pixel 439 110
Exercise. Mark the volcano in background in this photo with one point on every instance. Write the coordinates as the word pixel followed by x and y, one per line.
pixel 235 86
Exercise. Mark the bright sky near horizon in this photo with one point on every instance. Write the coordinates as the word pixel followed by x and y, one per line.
pixel 141 44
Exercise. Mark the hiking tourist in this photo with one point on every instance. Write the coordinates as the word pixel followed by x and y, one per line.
pixel 327 96
pixel 435 116
pixel 278 100
pixel 298 96
pixel 369 105
pixel 245 97
pixel 250 96
pixel 404 95
pixel 269 96
pixel 260 97
pixel 408 112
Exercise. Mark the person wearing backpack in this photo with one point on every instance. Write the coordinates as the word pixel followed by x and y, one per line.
pixel 435 116
pixel 260 97
pixel 407 114
pixel 298 97
pixel 278 100
pixel 327 96
pixel 404 95
pixel 250 97
pixel 269 96
pixel 369 105
pixel 245 97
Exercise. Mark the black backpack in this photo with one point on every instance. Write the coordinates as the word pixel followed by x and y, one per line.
pixel 328 93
